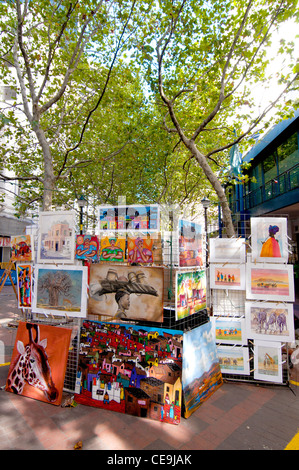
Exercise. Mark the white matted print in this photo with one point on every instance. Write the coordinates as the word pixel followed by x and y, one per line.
pixel 60 290
pixel 270 321
pixel 269 239
pixel 56 238
pixel 267 361
pixel 230 250
pixel 227 276
pixel 233 360
pixel 228 330
pixel 271 282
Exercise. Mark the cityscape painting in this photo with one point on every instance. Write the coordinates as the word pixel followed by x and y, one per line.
pixel 56 239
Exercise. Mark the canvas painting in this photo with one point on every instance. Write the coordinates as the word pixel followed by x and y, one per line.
pixel 38 362
pixel 227 276
pixel 126 292
pixel 201 370
pixel 228 330
pixel 60 290
pixel 190 293
pixel 22 248
pixel 270 282
pixel 267 361
pixel 190 244
pixel 269 239
pixel 24 285
pixel 270 321
pixel 87 247
pixel 141 250
pixel 233 360
pixel 124 218
pixel 56 241
pixel 227 250
pixel 131 369
pixel 112 248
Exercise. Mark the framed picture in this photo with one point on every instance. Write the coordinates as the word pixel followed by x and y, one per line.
pixel 201 370
pixel 271 282
pixel 270 321
pixel 56 239
pixel 122 292
pixel 22 248
pixel 227 276
pixel 233 360
pixel 190 244
pixel 87 247
pixel 124 218
pixel 131 369
pixel 227 250
pixel 38 362
pixel 269 239
pixel 24 285
pixel 60 290
pixel 190 293
pixel 267 361
pixel 228 330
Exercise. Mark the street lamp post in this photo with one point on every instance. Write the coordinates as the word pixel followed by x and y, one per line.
pixel 81 203
pixel 206 203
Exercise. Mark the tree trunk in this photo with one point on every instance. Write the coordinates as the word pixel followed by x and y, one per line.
pixel 49 177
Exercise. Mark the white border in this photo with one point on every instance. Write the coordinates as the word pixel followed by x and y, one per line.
pixel 271 296
pixel 220 266
pixel 260 376
pixel 241 351
pixel 238 243
pixel 256 223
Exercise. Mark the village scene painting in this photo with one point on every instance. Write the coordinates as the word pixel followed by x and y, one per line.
pixel 270 320
pixel 131 369
pixel 190 293
pixel 270 282
pixel 201 370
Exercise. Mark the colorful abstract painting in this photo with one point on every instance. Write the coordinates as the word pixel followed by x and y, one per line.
pixel 22 248
pixel 228 330
pixel 233 360
pixel 87 247
pixel 60 290
pixel 131 369
pixel 269 239
pixel 56 241
pixel 24 285
pixel 227 250
pixel 227 276
pixel 201 370
pixel 124 218
pixel 112 248
pixel 268 361
pixel 270 282
pixel 270 321
pixel 190 244
pixel 190 293
pixel 121 292
pixel 38 362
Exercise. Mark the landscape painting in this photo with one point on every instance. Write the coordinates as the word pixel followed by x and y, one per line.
pixel 201 370
pixel 131 369
pixel 233 360
pixel 60 290
pixel 268 361
pixel 269 239
pixel 38 362
pixel 190 244
pixel 227 250
pixel 190 293
pixel 124 218
pixel 270 282
pixel 270 321
pixel 112 248
pixel 122 292
pixel 228 330
pixel 22 248
pixel 227 276
pixel 56 240
pixel 24 285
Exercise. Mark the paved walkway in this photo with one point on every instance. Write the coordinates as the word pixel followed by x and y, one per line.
pixel 238 416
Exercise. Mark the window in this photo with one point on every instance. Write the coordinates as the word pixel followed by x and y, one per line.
pixel 269 168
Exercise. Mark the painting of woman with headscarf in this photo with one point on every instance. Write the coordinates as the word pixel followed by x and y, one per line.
pixel 269 239
pixel 140 250
pixel 271 247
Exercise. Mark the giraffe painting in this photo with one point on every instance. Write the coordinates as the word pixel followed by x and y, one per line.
pixel 31 371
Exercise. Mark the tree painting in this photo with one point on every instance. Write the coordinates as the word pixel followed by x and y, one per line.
pixel 61 290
